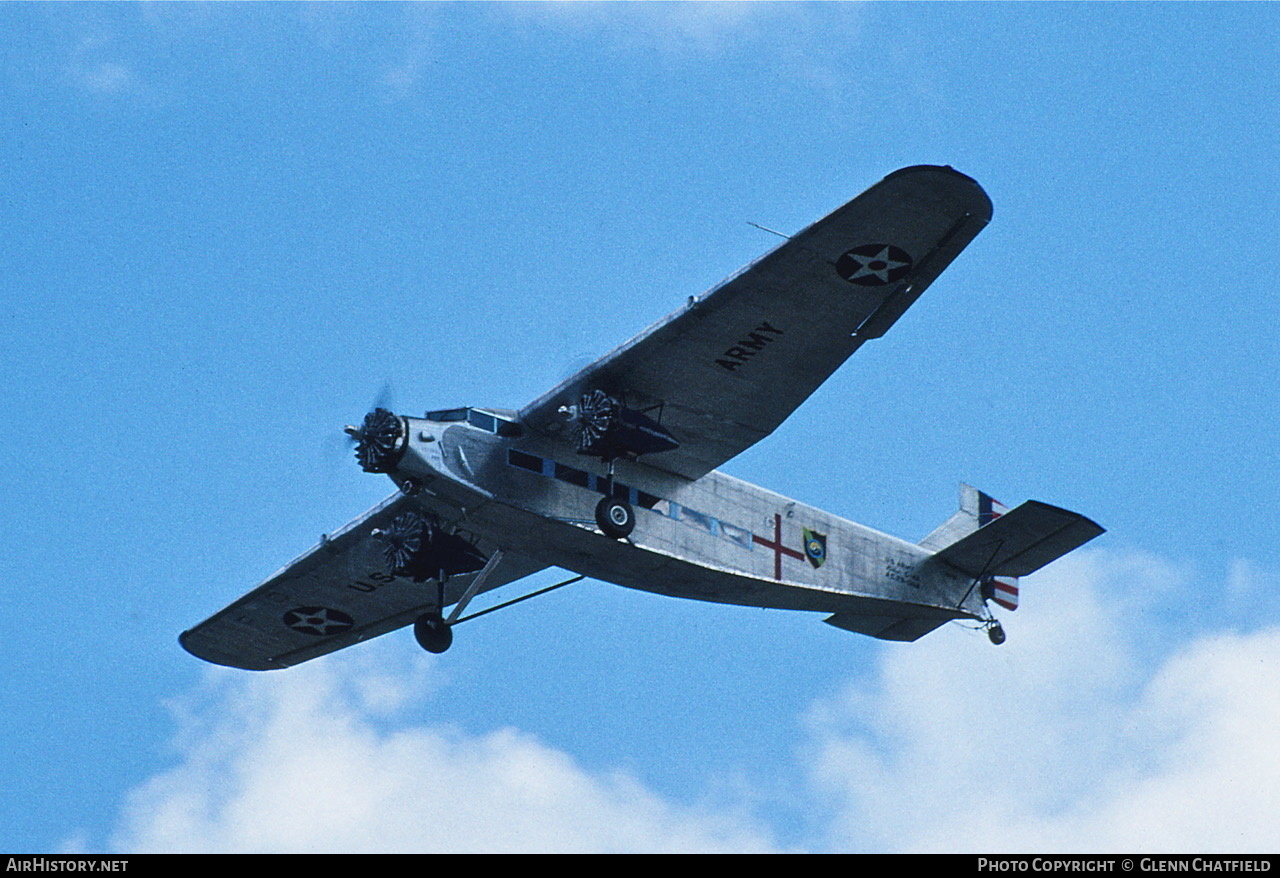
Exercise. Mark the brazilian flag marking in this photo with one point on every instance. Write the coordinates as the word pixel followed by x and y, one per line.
pixel 815 547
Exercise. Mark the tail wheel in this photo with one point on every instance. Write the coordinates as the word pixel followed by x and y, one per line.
pixel 996 634
pixel 615 517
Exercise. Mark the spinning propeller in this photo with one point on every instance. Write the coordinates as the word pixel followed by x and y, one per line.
pixel 380 440
pixel 608 429
pixel 402 540
pixel 596 414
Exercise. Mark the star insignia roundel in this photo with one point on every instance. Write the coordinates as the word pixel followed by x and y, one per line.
pixel 320 621
pixel 874 265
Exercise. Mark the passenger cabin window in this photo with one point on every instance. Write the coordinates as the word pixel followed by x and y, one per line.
pixel 525 461
pixel 574 476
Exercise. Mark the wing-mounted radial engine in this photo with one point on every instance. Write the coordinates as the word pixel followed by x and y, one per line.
pixel 380 441
pixel 415 547
pixel 607 429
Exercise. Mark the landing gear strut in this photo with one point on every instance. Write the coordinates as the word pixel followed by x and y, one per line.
pixel 433 631
pixel 614 516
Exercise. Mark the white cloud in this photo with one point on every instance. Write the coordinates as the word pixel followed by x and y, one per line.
pixel 402 76
pixel 301 761
pixel 96 67
pixel 690 29
pixel 107 77
pixel 1076 735
pixel 1060 741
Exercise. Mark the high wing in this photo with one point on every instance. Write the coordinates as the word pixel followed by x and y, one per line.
pixel 723 372
pixel 331 597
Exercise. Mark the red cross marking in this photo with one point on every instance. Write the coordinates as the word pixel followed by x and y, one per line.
pixel 778 549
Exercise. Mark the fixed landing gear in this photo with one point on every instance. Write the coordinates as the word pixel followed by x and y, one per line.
pixel 434 634
pixel 996 634
pixel 615 517
pixel 433 631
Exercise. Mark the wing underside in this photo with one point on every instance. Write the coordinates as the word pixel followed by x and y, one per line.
pixel 337 594
pixel 723 372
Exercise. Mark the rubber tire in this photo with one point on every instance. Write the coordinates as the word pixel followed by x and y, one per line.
pixel 615 517
pixel 996 635
pixel 432 633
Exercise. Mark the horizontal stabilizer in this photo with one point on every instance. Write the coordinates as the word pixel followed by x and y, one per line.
pixel 885 627
pixel 1020 542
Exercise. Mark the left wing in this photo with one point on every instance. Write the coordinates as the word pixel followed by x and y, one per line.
pixel 335 595
pixel 723 372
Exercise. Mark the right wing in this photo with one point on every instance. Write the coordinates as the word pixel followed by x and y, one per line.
pixel 732 365
pixel 335 595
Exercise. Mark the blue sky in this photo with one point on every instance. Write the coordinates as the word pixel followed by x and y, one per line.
pixel 229 228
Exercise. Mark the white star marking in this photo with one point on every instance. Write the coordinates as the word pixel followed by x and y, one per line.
pixel 877 266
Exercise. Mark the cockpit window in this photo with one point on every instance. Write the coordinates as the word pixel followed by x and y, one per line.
pixel 484 421
pixel 476 418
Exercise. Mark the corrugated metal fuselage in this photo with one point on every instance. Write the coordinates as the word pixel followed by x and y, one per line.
pixel 713 539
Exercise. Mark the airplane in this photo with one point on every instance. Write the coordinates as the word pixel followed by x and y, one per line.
pixel 613 474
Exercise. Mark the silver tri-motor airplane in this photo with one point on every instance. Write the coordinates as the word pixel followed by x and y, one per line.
pixel 612 474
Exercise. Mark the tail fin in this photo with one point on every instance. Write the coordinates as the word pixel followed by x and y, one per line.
pixel 976 510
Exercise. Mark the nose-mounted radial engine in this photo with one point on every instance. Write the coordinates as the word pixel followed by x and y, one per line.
pixel 607 429
pixel 380 441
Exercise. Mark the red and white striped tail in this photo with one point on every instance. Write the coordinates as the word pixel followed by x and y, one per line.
pixel 1004 591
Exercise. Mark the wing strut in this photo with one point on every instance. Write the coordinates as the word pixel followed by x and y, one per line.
pixel 435 633
pixel 532 594
pixel 474 588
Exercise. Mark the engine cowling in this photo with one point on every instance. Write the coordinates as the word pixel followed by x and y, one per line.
pixel 607 429
pixel 380 441
pixel 415 547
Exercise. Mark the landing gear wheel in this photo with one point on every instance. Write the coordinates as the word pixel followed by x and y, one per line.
pixel 615 517
pixel 996 634
pixel 433 633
